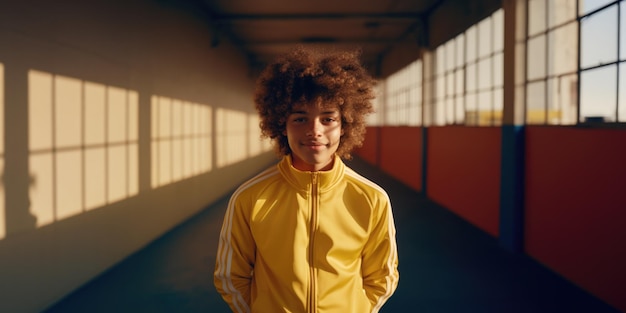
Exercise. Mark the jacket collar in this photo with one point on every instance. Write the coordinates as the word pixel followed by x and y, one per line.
pixel 302 180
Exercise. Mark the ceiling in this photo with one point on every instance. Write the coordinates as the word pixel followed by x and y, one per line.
pixel 264 28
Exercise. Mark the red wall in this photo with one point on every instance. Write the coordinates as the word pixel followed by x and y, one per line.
pixel 575 206
pixel 401 154
pixel 397 151
pixel 463 173
pixel 575 191
pixel 369 150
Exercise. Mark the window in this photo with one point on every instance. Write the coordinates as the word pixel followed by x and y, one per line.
pixel 573 74
pixel 403 96
pixel 375 119
pixel 551 86
pixel 469 75
pixel 602 61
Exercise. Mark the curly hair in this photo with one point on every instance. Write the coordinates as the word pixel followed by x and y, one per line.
pixel 304 76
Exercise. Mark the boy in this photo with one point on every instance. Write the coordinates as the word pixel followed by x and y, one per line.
pixel 309 234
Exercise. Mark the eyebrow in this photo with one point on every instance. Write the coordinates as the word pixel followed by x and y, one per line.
pixel 326 112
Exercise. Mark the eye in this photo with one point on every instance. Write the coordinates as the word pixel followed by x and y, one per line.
pixel 329 119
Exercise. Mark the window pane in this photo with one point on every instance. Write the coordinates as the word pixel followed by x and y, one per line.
pixel 498 70
pixel 562 97
pixel 484 75
pixel 441 84
pixel 449 84
pixel 563 50
pixel 460 50
pixel 485 38
pixel 561 11
pixel 622 39
pixel 498 104
pixel 597 93
pixel 596 49
pixel 459 111
pixel 415 109
pixel 536 103
pixel 587 6
pixel 449 48
pixel 441 58
pixel 449 111
pixel 554 106
pixel 498 30
pixel 401 109
pixel 536 58
pixel 485 108
pixel 471 77
pixel 622 93
pixel 471 43
pixel 471 113
pixel 460 80
pixel 536 16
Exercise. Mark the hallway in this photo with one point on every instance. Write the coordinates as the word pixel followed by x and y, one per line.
pixel 446 266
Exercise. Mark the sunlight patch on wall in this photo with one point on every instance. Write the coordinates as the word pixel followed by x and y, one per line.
pixel 95 158
pixel 3 228
pixel 83 150
pixel 181 138
pixel 231 136
pixel 66 137
pixel 257 145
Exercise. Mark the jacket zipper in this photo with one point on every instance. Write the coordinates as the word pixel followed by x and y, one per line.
pixel 312 270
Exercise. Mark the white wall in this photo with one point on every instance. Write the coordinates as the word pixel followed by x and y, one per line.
pixel 85 182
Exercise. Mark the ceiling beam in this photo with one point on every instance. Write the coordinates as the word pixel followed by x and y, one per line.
pixel 325 16
pixel 360 41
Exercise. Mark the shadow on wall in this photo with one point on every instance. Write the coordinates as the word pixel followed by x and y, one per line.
pixel 79 148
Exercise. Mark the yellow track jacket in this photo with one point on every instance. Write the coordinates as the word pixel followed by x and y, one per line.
pixel 296 241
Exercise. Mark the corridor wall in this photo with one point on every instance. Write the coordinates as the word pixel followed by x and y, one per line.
pixel 120 120
pixel 574 208
pixel 406 163
pixel 462 166
pixel 464 173
pixel 575 212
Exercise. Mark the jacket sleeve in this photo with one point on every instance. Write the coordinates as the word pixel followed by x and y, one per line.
pixel 380 258
pixel 235 258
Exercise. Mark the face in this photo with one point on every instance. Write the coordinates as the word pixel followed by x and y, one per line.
pixel 313 132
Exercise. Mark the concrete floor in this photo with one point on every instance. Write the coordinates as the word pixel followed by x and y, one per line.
pixel 446 266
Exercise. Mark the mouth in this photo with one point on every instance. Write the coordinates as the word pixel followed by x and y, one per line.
pixel 314 145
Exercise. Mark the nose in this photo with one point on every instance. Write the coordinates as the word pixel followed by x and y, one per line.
pixel 315 128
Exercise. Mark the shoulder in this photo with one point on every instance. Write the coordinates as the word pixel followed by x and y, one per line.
pixel 365 185
pixel 257 183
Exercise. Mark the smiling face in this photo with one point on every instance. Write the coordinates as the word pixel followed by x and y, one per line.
pixel 313 132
